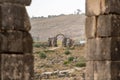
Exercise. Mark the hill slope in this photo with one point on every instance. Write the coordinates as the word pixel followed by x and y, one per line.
pixel 69 25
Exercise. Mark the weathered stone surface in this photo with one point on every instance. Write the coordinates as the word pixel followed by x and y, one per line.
pixel 17 18
pixel 90 49
pixel 90 29
pixel 17 67
pixel 27 24
pixel 28 68
pixel 16 41
pixel 103 49
pixel 3 43
pixel 108 25
pixel 0 66
pixel 93 7
pixel 115 70
pixel 12 67
pixel 22 2
pixel 27 43
pixel 97 7
pixel 103 70
pixel 11 41
pixel 89 71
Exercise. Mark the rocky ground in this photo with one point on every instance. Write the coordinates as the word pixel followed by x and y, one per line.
pixel 59 63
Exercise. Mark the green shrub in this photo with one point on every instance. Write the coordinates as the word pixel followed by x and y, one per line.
pixel 67 52
pixel 36 45
pixel 80 64
pixel 66 62
pixel 40 44
pixel 42 55
pixel 49 51
pixel 70 59
pixel 70 48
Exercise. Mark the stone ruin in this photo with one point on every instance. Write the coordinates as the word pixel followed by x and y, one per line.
pixel 103 39
pixel 16 59
pixel 66 42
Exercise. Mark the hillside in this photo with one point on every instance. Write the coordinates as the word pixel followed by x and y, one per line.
pixel 69 25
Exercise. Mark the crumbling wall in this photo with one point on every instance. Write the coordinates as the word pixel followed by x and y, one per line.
pixel 16 59
pixel 103 39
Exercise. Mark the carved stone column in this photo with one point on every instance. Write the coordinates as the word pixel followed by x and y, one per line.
pixel 16 59
pixel 103 39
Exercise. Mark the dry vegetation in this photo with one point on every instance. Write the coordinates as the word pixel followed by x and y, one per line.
pixel 49 60
pixel 58 63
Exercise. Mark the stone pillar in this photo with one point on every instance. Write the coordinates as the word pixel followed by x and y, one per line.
pixel 16 59
pixel 49 42
pixel 64 42
pixel 103 39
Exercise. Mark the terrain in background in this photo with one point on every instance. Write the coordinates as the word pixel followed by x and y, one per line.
pixel 58 63
pixel 70 25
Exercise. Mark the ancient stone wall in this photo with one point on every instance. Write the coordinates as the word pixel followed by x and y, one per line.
pixel 103 39
pixel 16 59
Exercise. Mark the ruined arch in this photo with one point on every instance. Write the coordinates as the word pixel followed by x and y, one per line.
pixel 60 39
pixel 60 35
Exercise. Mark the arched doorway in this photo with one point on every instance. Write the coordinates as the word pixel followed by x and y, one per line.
pixel 60 40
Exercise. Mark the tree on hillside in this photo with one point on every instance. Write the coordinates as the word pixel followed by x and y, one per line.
pixel 78 11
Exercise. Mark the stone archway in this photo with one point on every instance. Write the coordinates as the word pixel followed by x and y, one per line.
pixel 61 39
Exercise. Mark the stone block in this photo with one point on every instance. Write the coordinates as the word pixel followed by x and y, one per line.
pixel 89 71
pixel 27 24
pixel 27 43
pixel 90 49
pixel 3 43
pixel 14 17
pixel 103 49
pixel 93 7
pixel 28 67
pixel 16 42
pixel 17 67
pixel 108 26
pixel 115 70
pixel 0 66
pixel 11 41
pixel 90 29
pixel 97 7
pixel 12 67
pixel 22 2
pixel 103 70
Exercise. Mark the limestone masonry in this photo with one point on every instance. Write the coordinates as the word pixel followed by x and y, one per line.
pixel 16 59
pixel 103 39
